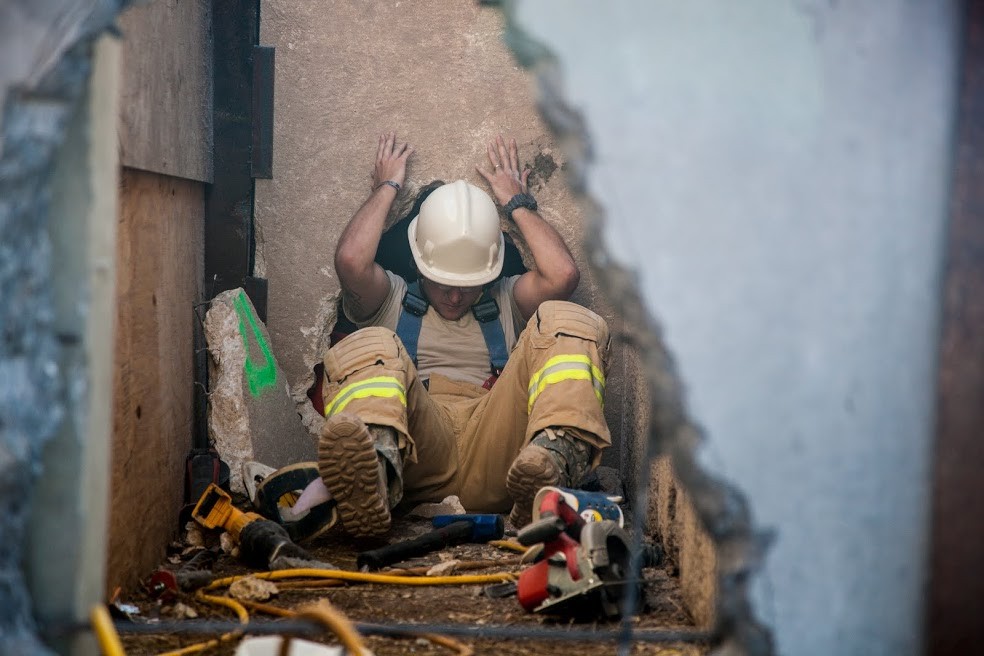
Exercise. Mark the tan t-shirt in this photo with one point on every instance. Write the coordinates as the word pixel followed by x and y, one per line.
pixel 455 349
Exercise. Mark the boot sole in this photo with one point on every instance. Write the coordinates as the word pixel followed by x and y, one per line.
pixel 349 468
pixel 533 469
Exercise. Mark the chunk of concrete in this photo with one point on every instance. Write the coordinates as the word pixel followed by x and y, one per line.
pixel 251 415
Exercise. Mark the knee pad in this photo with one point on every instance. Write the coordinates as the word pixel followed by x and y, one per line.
pixel 556 318
pixel 363 348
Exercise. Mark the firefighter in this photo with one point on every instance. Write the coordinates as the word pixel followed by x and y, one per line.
pixel 462 382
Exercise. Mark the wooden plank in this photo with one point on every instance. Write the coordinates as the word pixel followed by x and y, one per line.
pixel 159 279
pixel 166 109
pixel 956 599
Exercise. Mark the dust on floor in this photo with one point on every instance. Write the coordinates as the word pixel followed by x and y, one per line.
pixel 466 605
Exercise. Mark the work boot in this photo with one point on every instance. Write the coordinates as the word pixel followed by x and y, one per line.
pixel 552 458
pixel 357 463
pixel 390 461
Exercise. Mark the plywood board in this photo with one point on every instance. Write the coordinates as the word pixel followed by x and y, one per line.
pixel 159 273
pixel 166 108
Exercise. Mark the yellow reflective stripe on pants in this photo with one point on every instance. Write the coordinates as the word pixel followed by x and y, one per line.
pixel 567 367
pixel 380 386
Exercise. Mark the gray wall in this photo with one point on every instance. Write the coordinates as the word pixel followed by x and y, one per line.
pixel 777 171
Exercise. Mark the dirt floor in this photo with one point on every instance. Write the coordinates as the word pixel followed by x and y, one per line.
pixel 379 604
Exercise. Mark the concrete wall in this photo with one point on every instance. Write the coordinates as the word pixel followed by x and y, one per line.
pixel 777 172
pixel 439 74
pixel 57 215
pixel 66 544
pixel 60 173
pixel 674 523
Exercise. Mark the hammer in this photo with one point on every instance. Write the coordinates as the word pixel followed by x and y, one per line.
pixel 448 530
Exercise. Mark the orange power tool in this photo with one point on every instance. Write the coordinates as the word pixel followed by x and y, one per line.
pixel 262 542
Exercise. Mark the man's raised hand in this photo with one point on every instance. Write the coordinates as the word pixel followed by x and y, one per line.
pixel 391 160
pixel 505 178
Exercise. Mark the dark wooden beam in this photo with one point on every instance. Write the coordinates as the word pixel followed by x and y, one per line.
pixel 956 599
pixel 229 238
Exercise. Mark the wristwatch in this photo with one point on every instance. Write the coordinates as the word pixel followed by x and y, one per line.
pixel 519 200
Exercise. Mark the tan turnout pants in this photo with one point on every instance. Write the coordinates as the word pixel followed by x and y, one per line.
pixel 459 438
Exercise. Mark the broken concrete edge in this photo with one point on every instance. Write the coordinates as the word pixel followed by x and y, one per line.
pixel 721 507
pixel 37 110
pixel 251 412
pixel 325 321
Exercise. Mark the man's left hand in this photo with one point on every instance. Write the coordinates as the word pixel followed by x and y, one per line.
pixel 505 178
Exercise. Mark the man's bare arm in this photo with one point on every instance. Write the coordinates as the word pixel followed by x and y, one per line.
pixel 556 274
pixel 364 282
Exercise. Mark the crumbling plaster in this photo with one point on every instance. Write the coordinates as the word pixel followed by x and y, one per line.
pixel 436 72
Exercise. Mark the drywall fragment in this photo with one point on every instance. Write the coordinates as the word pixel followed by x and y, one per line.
pixel 275 646
pixel 448 506
pixel 251 415
pixel 446 568
pixel 253 589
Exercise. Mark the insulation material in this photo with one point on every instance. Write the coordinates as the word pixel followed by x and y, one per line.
pixel 251 414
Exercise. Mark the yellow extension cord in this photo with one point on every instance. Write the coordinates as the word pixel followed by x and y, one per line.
pixel 363 577
pixel 110 644
pixel 228 602
pixel 106 635
pixel 509 545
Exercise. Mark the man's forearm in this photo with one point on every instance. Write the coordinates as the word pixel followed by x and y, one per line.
pixel 554 262
pixel 356 250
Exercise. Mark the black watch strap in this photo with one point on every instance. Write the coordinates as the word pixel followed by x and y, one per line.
pixel 519 200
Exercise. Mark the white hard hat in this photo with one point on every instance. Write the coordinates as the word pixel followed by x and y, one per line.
pixel 455 239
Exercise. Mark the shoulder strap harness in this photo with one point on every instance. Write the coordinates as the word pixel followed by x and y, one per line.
pixel 486 311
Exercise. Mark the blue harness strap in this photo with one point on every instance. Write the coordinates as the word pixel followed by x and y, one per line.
pixel 486 312
pixel 411 318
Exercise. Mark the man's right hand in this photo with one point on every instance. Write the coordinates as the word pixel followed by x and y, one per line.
pixel 391 160
pixel 364 282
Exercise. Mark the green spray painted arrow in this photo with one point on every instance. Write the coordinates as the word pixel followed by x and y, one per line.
pixel 263 375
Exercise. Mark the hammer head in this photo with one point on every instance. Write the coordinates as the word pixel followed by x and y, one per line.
pixel 483 527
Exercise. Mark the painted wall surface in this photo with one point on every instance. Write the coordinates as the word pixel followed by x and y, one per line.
pixel 777 173
pixel 440 75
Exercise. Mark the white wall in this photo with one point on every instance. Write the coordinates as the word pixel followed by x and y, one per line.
pixel 777 171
